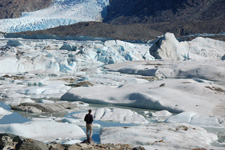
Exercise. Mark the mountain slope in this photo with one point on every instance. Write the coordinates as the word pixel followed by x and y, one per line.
pixel 132 31
pixel 123 19
pixel 14 8
pixel 148 11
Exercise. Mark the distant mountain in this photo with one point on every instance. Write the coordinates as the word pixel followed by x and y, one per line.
pixel 134 32
pixel 14 8
pixel 149 11
pixel 125 19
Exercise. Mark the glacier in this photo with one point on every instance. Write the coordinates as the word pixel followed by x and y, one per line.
pixel 121 82
pixel 61 12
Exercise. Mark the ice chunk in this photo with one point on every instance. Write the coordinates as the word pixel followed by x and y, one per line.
pixel 13 43
pixel 4 112
pixel 184 117
pixel 115 115
pixel 161 113
pixel 196 119
pixel 44 130
pixel 168 47
pixel 66 46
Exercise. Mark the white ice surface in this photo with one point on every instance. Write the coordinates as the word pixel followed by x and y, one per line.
pixel 4 112
pixel 170 48
pixel 160 136
pixel 161 113
pixel 115 115
pixel 44 130
pixel 177 95
pixel 40 69
pixel 196 119
pixel 61 12
pixel 201 70
pixel 48 56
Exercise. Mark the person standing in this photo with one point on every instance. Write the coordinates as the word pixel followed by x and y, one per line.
pixel 89 119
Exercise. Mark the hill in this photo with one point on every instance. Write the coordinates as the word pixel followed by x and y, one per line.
pixel 144 19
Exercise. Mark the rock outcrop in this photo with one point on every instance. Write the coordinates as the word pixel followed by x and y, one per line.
pixel 9 141
pixel 45 107
pixel 140 31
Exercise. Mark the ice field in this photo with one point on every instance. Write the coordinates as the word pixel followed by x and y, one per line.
pixel 173 90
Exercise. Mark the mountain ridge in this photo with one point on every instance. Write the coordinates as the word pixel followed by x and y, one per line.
pixel 14 8
pixel 143 32
pixel 145 11
pixel 133 20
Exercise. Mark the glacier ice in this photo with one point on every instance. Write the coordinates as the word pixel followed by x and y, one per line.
pixel 44 130
pixel 169 48
pixel 115 115
pixel 67 57
pixel 160 136
pixel 61 12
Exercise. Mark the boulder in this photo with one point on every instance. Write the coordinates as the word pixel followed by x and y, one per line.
pixel 9 141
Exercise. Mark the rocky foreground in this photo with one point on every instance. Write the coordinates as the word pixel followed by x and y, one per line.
pixel 9 141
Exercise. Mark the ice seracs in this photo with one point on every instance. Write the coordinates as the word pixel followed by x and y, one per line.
pixel 67 57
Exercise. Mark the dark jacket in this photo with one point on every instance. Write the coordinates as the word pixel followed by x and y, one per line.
pixel 88 118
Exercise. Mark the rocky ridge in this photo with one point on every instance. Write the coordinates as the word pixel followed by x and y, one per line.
pixel 132 32
pixel 9 141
